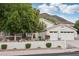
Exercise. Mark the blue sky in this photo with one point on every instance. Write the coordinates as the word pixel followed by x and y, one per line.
pixel 69 11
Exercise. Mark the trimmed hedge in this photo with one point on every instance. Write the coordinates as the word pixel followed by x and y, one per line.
pixel 48 45
pixel 28 45
pixel 4 46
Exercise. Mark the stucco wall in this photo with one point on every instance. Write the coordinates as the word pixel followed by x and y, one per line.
pixel 34 44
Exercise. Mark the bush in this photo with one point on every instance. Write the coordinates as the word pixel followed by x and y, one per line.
pixel 3 46
pixel 48 45
pixel 59 46
pixel 28 45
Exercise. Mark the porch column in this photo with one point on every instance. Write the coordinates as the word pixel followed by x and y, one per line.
pixel 3 38
pixel 15 37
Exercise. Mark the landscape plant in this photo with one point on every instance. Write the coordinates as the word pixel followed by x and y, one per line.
pixel 4 46
pixel 48 45
pixel 28 45
pixel 19 18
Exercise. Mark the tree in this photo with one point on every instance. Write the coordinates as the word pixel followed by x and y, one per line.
pixel 19 18
pixel 77 26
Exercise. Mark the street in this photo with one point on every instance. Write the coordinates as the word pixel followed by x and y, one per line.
pixel 58 54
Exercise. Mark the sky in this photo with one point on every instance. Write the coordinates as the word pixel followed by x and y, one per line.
pixel 69 11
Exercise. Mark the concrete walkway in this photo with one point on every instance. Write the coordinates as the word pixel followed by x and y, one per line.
pixel 34 51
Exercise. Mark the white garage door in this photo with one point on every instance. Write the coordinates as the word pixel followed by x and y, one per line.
pixel 67 35
pixel 53 35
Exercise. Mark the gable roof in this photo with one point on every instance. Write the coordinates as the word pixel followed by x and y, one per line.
pixel 55 26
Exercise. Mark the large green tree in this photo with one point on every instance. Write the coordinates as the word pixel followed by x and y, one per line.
pixel 77 26
pixel 19 18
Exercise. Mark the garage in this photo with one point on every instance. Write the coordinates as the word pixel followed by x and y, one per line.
pixel 62 32
pixel 53 35
pixel 67 35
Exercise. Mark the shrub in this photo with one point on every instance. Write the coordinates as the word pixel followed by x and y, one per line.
pixel 3 46
pixel 28 45
pixel 48 45
pixel 59 46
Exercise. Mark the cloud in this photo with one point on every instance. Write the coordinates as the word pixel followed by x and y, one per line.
pixel 64 9
pixel 69 9
pixel 50 9
pixel 53 8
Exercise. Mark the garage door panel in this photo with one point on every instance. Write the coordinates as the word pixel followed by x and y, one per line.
pixel 67 36
pixel 54 36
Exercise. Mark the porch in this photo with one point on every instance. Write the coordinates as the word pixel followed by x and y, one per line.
pixel 7 37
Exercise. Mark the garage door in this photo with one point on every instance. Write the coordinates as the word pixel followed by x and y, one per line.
pixel 53 35
pixel 67 35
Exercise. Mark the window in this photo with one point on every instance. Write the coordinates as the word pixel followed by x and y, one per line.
pixel 53 31
pixel 67 32
pixel 47 36
pixel 72 32
pixel 62 32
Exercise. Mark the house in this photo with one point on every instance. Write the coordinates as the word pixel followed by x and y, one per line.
pixel 57 32
pixel 61 32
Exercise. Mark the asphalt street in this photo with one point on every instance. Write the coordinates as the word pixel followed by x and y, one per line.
pixel 58 54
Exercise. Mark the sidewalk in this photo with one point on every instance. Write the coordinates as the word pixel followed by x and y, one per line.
pixel 34 51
